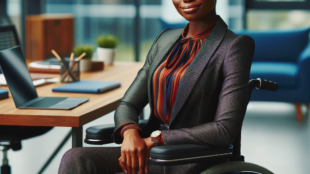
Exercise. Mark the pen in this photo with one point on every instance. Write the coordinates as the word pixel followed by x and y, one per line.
pixel 72 56
pixel 63 64
pixel 73 63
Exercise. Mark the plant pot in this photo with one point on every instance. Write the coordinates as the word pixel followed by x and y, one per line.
pixel 85 65
pixel 106 54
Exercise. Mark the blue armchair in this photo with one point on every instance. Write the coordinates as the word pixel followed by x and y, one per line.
pixel 284 57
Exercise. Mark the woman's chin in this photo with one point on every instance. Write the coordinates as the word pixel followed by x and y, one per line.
pixel 191 17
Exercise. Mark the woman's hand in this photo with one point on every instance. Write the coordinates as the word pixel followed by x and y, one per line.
pixel 135 152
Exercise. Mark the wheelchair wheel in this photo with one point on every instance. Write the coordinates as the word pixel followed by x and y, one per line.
pixel 236 166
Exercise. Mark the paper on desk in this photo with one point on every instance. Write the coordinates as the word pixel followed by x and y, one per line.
pixel 35 82
pixel 2 80
pixel 45 65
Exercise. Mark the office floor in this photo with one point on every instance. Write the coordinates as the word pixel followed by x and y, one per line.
pixel 271 137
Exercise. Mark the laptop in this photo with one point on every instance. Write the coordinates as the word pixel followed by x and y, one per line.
pixel 18 78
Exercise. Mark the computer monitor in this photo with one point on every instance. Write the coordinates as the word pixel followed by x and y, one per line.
pixel 17 75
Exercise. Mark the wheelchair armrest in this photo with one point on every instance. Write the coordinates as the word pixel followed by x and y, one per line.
pixel 187 153
pixel 101 134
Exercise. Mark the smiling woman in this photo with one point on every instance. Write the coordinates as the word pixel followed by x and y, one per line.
pixel 200 14
pixel 195 10
pixel 195 80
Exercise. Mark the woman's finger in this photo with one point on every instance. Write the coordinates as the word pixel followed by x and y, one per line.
pixel 128 162
pixel 121 164
pixel 146 163
pixel 134 163
pixel 141 161
pixel 124 162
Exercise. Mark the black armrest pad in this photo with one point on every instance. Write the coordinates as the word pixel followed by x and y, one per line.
pixel 187 151
pixel 103 132
pixel 100 131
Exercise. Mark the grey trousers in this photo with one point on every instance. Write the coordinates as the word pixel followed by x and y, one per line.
pixel 104 160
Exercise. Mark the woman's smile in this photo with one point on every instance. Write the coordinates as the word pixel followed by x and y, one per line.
pixel 196 10
pixel 192 8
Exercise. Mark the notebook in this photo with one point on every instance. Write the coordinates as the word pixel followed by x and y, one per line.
pixel 88 86
pixel 4 94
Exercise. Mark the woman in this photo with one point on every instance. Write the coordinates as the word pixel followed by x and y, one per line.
pixel 195 80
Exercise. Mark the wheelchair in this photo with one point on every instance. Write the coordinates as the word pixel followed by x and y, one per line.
pixel 192 153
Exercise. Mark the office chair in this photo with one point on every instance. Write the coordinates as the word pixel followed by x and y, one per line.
pixel 8 38
pixel 191 153
pixel 11 136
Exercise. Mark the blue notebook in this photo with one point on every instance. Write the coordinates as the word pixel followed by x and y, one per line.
pixel 87 86
pixel 4 94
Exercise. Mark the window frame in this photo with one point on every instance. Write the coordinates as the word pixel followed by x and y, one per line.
pixel 262 5
pixel 3 6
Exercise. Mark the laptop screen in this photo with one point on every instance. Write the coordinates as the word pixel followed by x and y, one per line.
pixel 16 73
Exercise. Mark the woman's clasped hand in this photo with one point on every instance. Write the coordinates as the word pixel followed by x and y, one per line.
pixel 135 152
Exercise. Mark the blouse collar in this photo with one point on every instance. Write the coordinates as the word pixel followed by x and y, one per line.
pixel 199 35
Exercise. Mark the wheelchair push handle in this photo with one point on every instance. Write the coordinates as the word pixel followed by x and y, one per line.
pixel 267 85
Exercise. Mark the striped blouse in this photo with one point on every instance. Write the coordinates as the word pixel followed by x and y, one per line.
pixel 168 75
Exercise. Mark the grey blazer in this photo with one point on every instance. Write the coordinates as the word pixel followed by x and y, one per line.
pixel 212 96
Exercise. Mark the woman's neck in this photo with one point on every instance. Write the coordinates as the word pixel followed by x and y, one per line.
pixel 201 24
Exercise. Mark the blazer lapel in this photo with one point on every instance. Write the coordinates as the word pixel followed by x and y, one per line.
pixel 196 67
pixel 167 41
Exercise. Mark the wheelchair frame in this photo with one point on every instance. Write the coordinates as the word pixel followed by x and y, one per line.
pixel 188 153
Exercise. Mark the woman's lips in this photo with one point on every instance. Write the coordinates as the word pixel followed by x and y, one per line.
pixel 190 8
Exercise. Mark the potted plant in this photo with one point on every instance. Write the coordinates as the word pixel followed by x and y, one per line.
pixel 85 63
pixel 106 48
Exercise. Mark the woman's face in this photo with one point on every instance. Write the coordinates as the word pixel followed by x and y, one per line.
pixel 193 10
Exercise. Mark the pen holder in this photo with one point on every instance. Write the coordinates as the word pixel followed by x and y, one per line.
pixel 70 71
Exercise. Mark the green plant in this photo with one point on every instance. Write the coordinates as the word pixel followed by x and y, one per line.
pixel 106 41
pixel 87 49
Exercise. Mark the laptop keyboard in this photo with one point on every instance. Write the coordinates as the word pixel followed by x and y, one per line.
pixel 47 102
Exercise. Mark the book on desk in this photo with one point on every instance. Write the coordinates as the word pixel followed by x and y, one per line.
pixel 4 94
pixel 88 86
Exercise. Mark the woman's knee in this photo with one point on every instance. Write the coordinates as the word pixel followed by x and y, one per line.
pixel 72 155
pixel 72 161
pixel 90 160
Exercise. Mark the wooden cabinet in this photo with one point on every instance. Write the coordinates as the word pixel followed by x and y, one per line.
pixel 47 32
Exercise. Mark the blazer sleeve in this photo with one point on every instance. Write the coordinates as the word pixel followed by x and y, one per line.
pixel 135 98
pixel 233 100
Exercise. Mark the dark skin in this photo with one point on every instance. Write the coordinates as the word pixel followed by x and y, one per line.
pixel 200 14
pixel 135 150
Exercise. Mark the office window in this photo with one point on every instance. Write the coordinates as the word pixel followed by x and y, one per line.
pixel 277 19
pixel 281 0
pixel 282 14
pixel 236 14
pixel 94 17
pixel 150 25
pixel 278 4
pixel 14 13
pixel 117 17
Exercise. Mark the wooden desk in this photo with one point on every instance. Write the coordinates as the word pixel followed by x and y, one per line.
pixel 97 106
